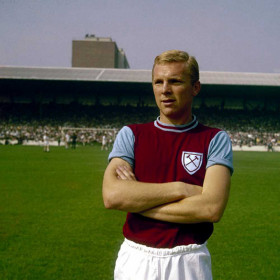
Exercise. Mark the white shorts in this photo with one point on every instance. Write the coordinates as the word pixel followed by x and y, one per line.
pixel 139 262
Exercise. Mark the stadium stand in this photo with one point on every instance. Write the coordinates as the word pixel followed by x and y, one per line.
pixel 18 123
pixel 97 102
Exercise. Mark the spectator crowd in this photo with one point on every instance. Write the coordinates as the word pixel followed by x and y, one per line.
pixel 89 125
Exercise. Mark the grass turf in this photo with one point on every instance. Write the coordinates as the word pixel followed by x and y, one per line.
pixel 53 224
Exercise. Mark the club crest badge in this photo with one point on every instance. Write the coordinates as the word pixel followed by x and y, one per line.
pixel 192 161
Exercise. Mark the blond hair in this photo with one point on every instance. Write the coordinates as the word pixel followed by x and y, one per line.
pixel 179 56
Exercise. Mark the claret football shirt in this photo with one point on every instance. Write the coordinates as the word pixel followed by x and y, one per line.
pixel 160 153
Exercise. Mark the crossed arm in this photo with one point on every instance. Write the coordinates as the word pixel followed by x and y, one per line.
pixel 176 202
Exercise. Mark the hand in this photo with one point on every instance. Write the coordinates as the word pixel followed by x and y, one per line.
pixel 125 173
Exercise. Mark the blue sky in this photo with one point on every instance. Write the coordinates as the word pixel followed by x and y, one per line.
pixel 224 35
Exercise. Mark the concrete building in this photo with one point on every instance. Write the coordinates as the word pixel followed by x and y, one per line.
pixel 98 52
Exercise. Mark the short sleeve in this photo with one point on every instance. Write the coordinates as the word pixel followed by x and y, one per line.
pixel 220 151
pixel 124 146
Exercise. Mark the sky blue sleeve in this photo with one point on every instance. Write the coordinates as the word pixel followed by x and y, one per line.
pixel 220 151
pixel 124 146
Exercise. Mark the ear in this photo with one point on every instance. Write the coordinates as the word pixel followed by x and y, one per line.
pixel 196 88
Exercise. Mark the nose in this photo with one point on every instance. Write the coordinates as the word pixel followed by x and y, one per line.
pixel 166 89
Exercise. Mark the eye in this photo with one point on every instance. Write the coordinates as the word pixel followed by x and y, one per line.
pixel 158 82
pixel 175 81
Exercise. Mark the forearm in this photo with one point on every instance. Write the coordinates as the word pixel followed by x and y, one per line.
pixel 133 196
pixel 121 191
pixel 208 206
pixel 188 210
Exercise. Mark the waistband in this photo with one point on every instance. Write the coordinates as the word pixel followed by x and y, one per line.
pixel 184 249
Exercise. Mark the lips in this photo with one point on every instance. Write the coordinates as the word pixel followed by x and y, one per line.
pixel 168 101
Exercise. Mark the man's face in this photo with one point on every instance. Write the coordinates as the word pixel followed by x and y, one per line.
pixel 173 92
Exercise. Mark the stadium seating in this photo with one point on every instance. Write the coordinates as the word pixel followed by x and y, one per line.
pixel 28 122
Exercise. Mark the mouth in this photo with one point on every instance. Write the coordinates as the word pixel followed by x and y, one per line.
pixel 168 101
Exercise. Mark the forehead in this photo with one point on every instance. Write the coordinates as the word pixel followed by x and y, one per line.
pixel 170 69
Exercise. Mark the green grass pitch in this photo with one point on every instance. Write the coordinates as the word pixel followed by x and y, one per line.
pixel 53 224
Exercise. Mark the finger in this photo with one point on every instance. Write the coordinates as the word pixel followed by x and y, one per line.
pixel 120 174
pixel 131 176
pixel 125 173
pixel 128 172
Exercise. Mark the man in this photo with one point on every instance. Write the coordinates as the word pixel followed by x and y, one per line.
pixel 172 177
pixel 46 142
pixel 67 140
pixel 104 143
pixel 74 140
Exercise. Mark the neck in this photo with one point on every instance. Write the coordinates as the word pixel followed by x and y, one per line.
pixel 176 121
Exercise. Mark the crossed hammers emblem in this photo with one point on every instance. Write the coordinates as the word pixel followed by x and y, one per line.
pixel 192 161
